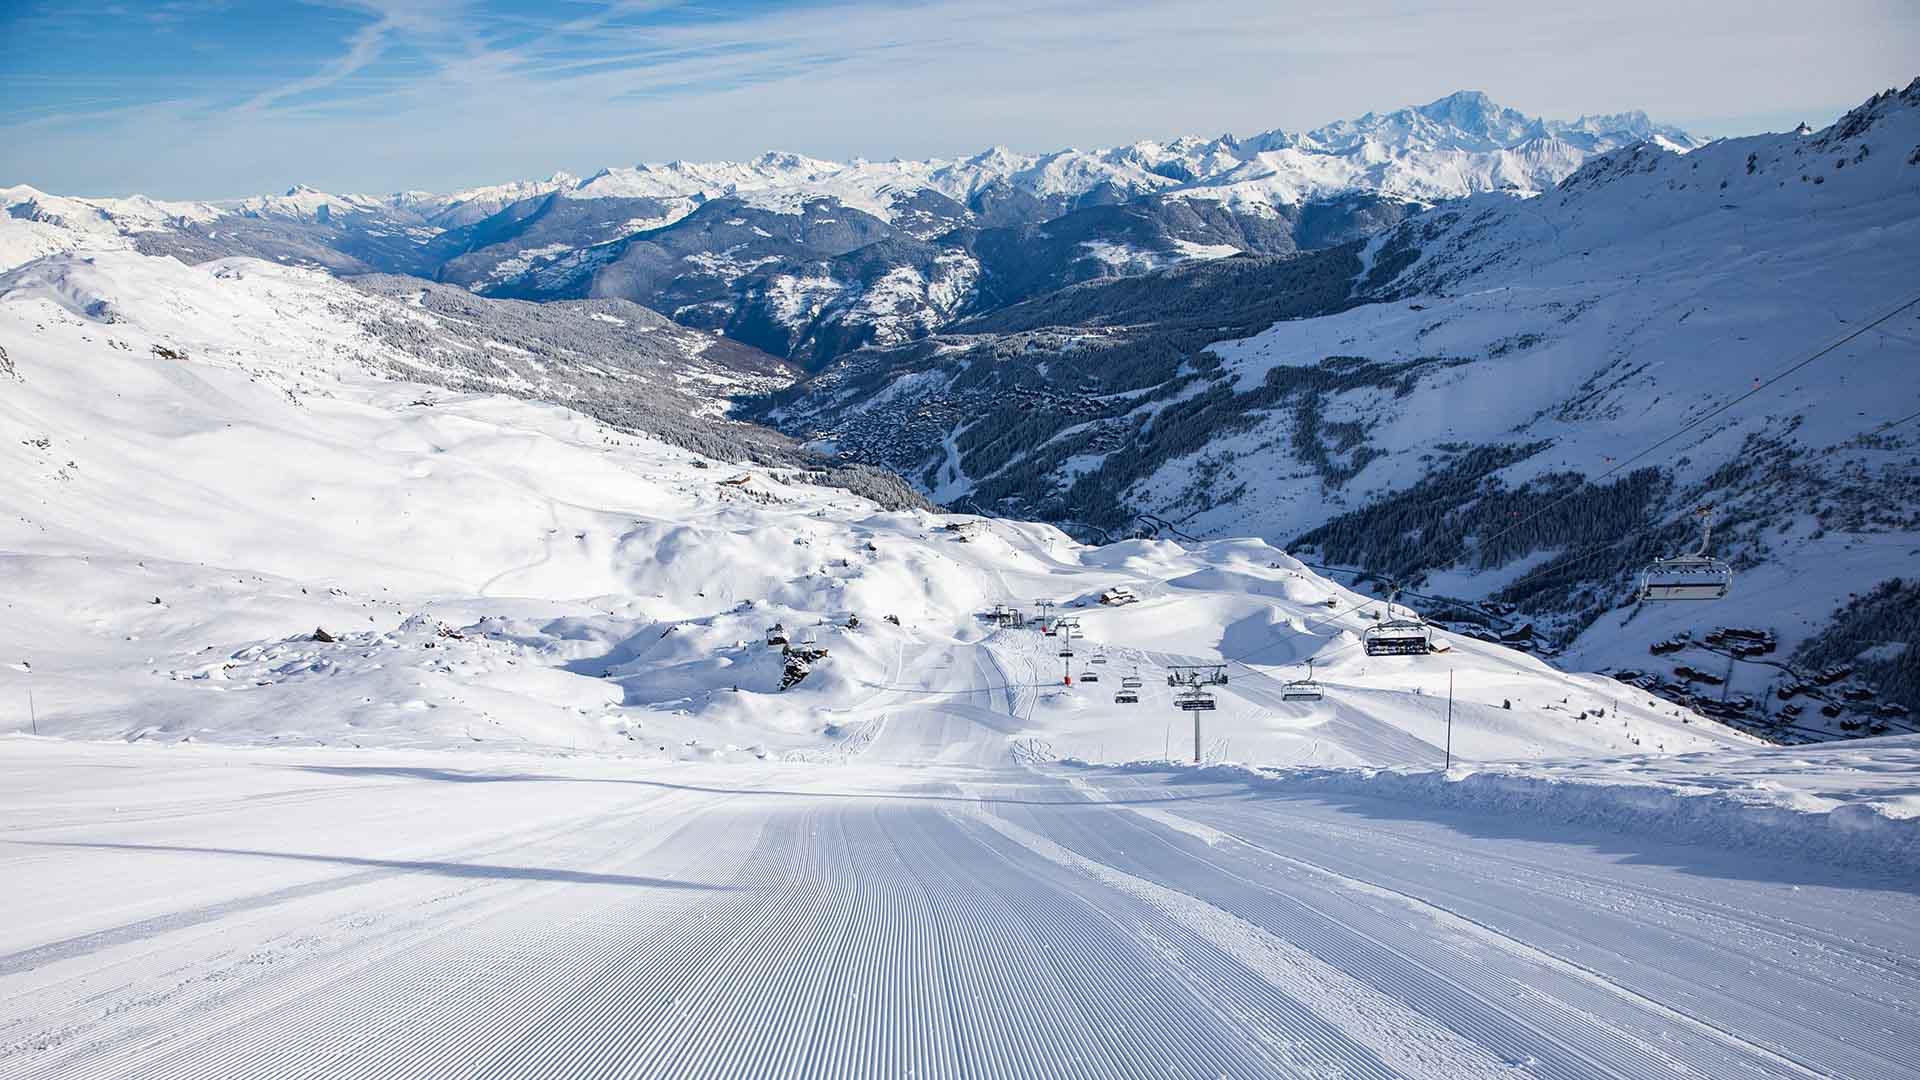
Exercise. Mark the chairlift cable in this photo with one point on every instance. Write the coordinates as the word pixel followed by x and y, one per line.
pixel 1706 416
pixel 1560 567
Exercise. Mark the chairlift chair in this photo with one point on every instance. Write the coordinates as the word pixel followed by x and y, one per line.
pixel 1302 689
pixel 1194 700
pixel 1131 682
pixel 1089 676
pixel 1398 637
pixel 1099 658
pixel 1693 576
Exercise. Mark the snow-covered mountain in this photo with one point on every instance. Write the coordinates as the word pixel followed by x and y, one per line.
pixel 918 243
pixel 1396 404
pixel 1290 396
pixel 1461 144
pixel 204 463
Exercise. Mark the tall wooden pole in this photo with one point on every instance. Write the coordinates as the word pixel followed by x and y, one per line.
pixel 1449 719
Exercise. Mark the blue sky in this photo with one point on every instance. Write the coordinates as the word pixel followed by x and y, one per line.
pixel 216 98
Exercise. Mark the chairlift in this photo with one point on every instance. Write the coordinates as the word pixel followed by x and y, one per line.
pixel 1693 576
pixel 1396 636
pixel 1099 658
pixel 1089 676
pixel 1302 689
pixel 1130 682
pixel 1126 697
pixel 1064 653
pixel 1194 699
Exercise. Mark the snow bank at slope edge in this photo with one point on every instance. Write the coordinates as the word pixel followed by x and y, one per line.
pixel 1857 804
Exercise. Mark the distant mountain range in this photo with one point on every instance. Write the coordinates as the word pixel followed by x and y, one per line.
pixel 808 259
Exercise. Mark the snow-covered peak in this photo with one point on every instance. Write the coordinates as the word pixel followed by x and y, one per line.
pixel 1465 121
pixel 34 223
pixel 1458 145
pixel 304 203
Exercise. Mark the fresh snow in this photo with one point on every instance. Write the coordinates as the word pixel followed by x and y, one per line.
pixel 540 807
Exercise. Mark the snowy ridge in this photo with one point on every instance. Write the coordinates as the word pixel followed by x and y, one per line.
pixel 1607 313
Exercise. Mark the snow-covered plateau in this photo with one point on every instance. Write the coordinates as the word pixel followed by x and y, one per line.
pixel 371 715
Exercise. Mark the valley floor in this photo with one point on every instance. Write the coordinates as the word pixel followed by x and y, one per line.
pixel 203 911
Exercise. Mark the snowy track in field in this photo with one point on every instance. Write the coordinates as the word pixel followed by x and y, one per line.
pixel 412 915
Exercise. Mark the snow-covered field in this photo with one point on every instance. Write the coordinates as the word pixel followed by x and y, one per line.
pixel 533 801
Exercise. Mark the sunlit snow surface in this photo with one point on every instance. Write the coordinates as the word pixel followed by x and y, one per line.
pixel 541 808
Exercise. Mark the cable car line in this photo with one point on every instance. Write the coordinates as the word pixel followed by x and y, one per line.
pixel 1559 567
pixel 1708 415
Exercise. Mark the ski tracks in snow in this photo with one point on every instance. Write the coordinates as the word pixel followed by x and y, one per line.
pixel 947 921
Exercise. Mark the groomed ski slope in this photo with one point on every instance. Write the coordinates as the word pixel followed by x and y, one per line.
pixel 204 911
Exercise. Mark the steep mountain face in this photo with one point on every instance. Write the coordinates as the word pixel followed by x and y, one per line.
pixel 810 258
pixel 1455 402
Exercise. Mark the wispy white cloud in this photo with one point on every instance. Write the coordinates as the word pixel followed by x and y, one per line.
pixel 497 97
pixel 362 48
